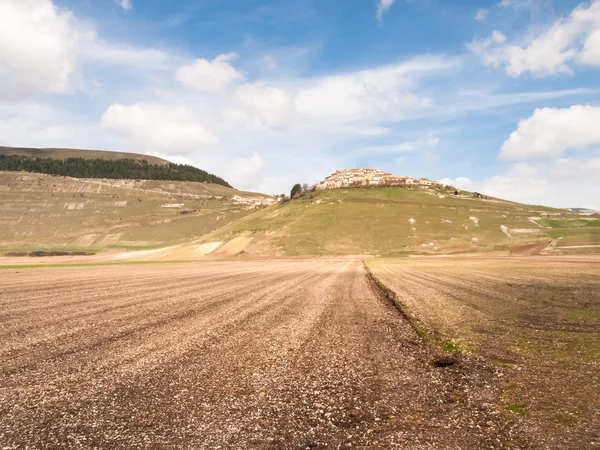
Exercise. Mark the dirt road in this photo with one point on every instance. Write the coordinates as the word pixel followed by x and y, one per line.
pixel 292 354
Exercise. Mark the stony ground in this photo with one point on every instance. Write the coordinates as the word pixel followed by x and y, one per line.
pixel 538 318
pixel 280 354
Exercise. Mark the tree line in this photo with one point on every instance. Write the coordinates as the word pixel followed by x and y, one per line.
pixel 128 169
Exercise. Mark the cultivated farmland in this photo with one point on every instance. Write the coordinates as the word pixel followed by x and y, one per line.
pixel 280 354
pixel 536 318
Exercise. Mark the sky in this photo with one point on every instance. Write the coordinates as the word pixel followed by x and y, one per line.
pixel 500 97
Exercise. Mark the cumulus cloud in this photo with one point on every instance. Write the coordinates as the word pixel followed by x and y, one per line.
pixel 563 182
pixel 481 15
pixel 154 127
pixel 247 172
pixel 384 93
pixel 382 7
pixel 459 182
pixel 125 4
pixel 210 76
pixel 271 105
pixel 43 48
pixel 567 183
pixel 37 50
pixel 551 131
pixel 571 40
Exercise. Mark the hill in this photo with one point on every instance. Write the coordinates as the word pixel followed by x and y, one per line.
pixel 64 153
pixel 104 166
pixel 44 212
pixel 423 219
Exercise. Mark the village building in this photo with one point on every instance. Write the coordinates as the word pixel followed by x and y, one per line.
pixel 366 177
pixel 254 201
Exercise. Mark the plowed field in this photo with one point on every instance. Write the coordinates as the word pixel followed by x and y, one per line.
pixel 537 318
pixel 281 354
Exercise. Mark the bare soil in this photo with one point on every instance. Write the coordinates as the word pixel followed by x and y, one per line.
pixel 280 354
pixel 537 318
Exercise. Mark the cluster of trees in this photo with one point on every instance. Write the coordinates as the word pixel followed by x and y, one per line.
pixel 129 169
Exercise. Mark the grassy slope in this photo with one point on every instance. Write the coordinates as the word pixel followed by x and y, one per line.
pixel 63 153
pixel 376 221
pixel 49 212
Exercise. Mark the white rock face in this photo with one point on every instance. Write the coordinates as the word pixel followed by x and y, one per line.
pixel 475 220
pixel 505 230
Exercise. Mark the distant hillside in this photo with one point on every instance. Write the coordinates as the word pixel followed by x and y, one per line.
pixel 63 153
pixel 391 221
pixel 104 165
pixel 44 212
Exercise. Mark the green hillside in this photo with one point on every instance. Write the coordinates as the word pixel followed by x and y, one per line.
pixel 378 221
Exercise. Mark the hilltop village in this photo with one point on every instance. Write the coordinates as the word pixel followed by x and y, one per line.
pixel 370 177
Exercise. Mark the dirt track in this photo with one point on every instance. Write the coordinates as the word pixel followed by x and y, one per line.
pixel 297 354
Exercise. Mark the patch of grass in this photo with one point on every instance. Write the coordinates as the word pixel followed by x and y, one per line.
pixel 451 347
pixel 570 223
pixel 582 315
pixel 566 419
pixel 517 409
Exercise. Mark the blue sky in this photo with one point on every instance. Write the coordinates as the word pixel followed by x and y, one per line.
pixel 496 96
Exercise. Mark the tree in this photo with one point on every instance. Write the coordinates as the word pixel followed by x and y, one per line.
pixel 305 186
pixel 296 191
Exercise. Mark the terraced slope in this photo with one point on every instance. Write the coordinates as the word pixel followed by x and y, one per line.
pixel 397 221
pixel 43 212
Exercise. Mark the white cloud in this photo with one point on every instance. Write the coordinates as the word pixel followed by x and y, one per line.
pixel 459 182
pixel 481 15
pixel 521 4
pixel 271 105
pixel 551 131
pixel 247 173
pixel 570 40
pixel 405 147
pixel 384 93
pixel 37 47
pixel 382 7
pixel 590 54
pixel 125 4
pixel 44 48
pixel 170 130
pixel 210 76
pixel 570 182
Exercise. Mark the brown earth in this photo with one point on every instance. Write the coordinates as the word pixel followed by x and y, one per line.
pixel 279 354
pixel 528 249
pixel 538 318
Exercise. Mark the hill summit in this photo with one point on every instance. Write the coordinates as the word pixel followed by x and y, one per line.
pixel 366 177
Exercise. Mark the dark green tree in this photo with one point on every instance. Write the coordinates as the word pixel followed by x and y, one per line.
pixel 296 191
